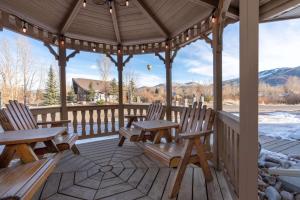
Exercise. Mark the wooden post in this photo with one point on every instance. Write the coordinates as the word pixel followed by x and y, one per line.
pixel 168 64
pixel 217 86
pixel 120 77
pixel 62 63
pixel 248 154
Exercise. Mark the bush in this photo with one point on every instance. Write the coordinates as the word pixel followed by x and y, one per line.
pixel 100 102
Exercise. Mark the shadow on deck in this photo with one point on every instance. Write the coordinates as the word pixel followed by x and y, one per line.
pixel 106 171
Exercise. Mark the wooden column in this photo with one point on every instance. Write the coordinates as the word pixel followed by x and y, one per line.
pixel 248 154
pixel 120 78
pixel 62 63
pixel 168 64
pixel 217 86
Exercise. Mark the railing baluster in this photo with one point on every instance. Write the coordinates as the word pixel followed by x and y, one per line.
pixel 98 121
pixel 75 122
pixel 44 119
pixel 52 116
pixel 91 122
pixel 113 126
pixel 83 122
pixel 105 120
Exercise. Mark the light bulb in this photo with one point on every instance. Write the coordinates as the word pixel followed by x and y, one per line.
pixel 84 3
pixel 213 19
pixel 94 49
pixel 187 37
pixel 127 3
pixel 110 10
pixel 24 29
pixel 167 46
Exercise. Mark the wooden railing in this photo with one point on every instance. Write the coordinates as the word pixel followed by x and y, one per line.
pixel 95 121
pixel 229 133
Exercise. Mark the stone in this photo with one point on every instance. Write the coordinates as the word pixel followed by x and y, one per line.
pixel 272 193
pixel 291 184
pixel 270 179
pixel 278 185
pixel 269 164
pixel 261 195
pixel 286 164
pixel 261 184
pixel 286 195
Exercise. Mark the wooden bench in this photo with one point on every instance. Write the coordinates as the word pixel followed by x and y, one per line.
pixel 155 112
pixel 17 116
pixel 23 181
pixel 190 147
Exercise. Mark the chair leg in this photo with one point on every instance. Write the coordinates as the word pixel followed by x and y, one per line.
pixel 122 140
pixel 75 149
pixel 176 182
pixel 203 161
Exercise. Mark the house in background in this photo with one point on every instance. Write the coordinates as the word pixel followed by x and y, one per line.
pixel 83 86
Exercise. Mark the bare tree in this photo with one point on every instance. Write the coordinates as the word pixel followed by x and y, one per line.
pixel 105 68
pixel 17 70
pixel 130 79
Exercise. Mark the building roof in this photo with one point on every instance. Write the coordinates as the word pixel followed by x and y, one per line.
pixel 98 85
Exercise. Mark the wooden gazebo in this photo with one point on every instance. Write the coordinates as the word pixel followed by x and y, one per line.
pixel 121 29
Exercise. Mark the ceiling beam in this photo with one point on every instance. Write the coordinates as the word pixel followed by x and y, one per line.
pixel 115 22
pixel 150 15
pixel 276 8
pixel 71 16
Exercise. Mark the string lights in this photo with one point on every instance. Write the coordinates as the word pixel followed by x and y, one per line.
pixel 84 3
pixel 109 3
pixel 24 28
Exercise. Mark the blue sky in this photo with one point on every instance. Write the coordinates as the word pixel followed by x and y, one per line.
pixel 279 47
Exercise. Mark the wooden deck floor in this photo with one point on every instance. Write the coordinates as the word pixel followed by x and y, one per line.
pixel 105 171
pixel 283 146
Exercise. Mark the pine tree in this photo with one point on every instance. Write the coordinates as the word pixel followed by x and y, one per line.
pixel 113 87
pixel 71 95
pixel 51 96
pixel 91 93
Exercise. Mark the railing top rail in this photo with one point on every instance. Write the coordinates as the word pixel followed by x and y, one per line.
pixel 230 119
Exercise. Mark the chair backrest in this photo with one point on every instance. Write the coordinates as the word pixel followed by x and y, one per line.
pixel 20 115
pixel 155 111
pixel 196 119
pixel 7 123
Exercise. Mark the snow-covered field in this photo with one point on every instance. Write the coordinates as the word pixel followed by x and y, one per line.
pixel 280 124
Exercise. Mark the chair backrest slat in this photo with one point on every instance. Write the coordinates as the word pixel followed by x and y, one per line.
pixel 201 119
pixel 14 116
pixel 182 117
pixel 6 122
pixel 23 113
pixel 149 110
pixel 31 116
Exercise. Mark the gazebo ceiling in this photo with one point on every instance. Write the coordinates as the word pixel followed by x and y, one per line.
pixel 144 24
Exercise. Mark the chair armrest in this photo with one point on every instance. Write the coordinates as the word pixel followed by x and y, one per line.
pixel 195 135
pixel 134 116
pixel 55 123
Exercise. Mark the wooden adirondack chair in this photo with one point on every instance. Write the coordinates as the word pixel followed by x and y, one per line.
pixel 23 181
pixel 190 146
pixel 153 109
pixel 17 116
pixel 155 112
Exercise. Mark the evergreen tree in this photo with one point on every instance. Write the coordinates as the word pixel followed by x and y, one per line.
pixel 91 93
pixel 131 90
pixel 71 95
pixel 114 87
pixel 51 96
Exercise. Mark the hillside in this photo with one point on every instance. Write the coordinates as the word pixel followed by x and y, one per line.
pixel 273 77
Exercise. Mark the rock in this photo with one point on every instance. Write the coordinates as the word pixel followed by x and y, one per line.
pixel 272 193
pixel 272 159
pixel 291 184
pixel 286 195
pixel 278 185
pixel 261 195
pixel 286 164
pixel 294 156
pixel 261 184
pixel 269 164
pixel 270 179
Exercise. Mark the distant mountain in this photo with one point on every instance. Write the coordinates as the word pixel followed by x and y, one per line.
pixel 273 77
